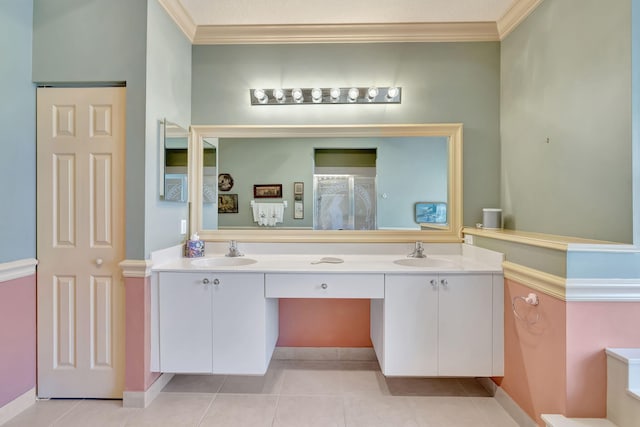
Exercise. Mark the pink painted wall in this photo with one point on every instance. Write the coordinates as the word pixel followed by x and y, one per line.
pixel 17 337
pixel 138 375
pixel 535 370
pixel 558 365
pixel 592 327
pixel 324 323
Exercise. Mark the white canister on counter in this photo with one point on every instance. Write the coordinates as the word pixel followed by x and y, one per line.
pixel 492 218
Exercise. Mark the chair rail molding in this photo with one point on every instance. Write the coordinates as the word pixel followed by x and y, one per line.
pixel 17 269
pixel 136 268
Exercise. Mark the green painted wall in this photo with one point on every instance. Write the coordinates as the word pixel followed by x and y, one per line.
pixel 18 140
pixel 132 41
pixel 75 41
pixel 442 82
pixel 168 95
pixel 566 76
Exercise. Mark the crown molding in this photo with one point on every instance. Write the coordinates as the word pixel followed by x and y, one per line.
pixel 515 15
pixel 346 33
pixel 181 17
pixel 349 33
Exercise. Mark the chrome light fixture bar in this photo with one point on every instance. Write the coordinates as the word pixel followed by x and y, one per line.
pixel 316 95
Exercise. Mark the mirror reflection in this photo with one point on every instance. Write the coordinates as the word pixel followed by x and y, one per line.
pixel 417 183
pixel 332 183
pixel 174 153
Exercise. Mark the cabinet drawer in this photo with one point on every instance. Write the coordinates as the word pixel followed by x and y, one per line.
pixel 324 285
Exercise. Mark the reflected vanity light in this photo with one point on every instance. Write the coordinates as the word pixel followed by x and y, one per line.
pixel 319 95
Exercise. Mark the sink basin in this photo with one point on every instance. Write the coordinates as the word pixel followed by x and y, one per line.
pixel 424 262
pixel 222 262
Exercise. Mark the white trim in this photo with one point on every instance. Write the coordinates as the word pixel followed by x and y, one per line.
pixel 17 405
pixel 347 33
pixel 603 290
pixel 17 269
pixel 515 16
pixel 142 399
pixel 513 409
pixel 603 248
pixel 136 268
pixel 181 17
pixel 549 284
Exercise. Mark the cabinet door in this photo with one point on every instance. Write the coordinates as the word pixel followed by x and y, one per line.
pixel 185 323
pixel 411 325
pixel 239 328
pixel 465 325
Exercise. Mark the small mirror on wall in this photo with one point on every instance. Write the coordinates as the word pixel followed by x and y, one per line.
pixel 174 155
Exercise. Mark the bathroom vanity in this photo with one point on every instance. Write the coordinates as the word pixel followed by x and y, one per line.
pixel 435 316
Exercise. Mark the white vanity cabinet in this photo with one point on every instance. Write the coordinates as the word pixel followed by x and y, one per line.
pixel 215 323
pixel 437 325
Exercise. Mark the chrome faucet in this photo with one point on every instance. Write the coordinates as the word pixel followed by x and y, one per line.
pixel 233 249
pixel 418 251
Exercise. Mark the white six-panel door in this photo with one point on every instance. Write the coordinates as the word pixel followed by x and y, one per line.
pixel 80 241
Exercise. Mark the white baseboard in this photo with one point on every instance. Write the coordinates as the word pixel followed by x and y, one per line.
pixel 325 353
pixel 17 405
pixel 520 417
pixel 142 399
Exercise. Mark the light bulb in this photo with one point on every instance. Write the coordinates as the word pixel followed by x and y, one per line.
pixel 353 94
pixel 260 96
pixel 296 94
pixel 316 94
pixel 278 94
pixel 392 92
pixel 335 94
pixel 372 92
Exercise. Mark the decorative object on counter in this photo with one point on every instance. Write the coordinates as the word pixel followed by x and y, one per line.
pixel 194 247
pixel 227 203
pixel 267 191
pixel 492 219
pixel 298 203
pixel 225 182
pixel 431 212
pixel 532 300
pixel 268 214
pixel 335 95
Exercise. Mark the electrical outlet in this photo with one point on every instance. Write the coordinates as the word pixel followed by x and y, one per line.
pixel 468 239
pixel 183 226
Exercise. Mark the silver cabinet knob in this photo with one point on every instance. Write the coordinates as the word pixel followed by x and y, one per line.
pixel 216 281
pixel 99 262
pixel 205 281
pixel 444 282
pixel 434 283
pixel 324 286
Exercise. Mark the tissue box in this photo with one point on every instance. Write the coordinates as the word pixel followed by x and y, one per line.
pixel 194 248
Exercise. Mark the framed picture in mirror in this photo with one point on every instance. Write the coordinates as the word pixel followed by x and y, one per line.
pixel 431 213
pixel 267 191
pixel 228 203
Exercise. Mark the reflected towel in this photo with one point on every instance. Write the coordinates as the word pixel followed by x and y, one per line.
pixel 268 214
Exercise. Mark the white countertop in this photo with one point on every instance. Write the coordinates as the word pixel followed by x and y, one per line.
pixel 296 263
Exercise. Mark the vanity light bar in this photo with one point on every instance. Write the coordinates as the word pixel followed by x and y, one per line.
pixel 341 95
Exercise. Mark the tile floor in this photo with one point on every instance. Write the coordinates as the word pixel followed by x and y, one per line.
pixel 291 394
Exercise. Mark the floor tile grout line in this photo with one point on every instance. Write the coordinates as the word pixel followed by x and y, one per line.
pixel 53 423
pixel 206 411
pixel 275 411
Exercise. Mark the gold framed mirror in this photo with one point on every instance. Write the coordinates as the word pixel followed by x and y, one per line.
pixel 448 232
